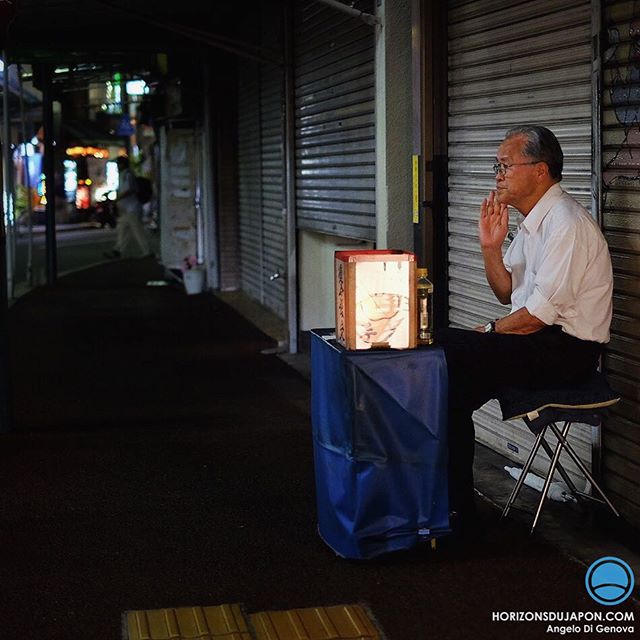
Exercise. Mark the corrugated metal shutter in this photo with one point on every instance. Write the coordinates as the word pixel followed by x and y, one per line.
pixel 250 180
pixel 510 62
pixel 335 121
pixel 621 221
pixel 261 176
pixel 273 172
pixel 227 195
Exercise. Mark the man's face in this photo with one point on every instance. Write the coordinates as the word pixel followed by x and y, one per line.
pixel 517 184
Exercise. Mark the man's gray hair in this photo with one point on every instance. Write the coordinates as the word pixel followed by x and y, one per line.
pixel 541 145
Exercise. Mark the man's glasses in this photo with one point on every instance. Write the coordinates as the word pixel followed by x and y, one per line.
pixel 502 168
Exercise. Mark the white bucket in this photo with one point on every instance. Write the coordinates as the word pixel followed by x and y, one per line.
pixel 193 281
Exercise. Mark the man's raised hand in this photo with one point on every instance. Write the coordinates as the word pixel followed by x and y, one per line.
pixel 494 222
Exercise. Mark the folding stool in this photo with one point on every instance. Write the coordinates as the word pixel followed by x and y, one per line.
pixel 541 410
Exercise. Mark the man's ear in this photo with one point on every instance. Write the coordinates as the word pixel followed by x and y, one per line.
pixel 542 170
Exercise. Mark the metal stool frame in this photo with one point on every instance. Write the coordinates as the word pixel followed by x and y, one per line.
pixel 555 463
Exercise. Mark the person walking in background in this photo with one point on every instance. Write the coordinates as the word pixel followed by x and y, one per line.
pixel 129 224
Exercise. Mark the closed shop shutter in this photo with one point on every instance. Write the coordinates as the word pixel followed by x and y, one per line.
pixel 261 171
pixel 510 62
pixel 227 193
pixel 335 121
pixel 621 221
pixel 272 174
pixel 250 180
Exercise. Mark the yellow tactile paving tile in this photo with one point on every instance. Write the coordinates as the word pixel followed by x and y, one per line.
pixel 222 622
pixel 342 622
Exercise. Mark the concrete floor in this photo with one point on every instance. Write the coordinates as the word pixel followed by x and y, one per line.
pixel 582 536
pixel 160 458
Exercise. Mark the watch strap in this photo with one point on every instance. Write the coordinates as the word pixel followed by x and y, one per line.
pixel 490 327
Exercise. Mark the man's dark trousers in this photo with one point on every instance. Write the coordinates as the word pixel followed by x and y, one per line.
pixel 481 364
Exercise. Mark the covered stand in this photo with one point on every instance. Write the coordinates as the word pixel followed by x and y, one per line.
pixel 379 435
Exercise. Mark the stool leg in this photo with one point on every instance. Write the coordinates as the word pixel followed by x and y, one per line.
pixel 523 474
pixel 563 473
pixel 582 467
pixel 552 468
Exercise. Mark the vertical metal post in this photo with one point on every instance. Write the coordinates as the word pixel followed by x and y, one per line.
pixel 7 179
pixel 209 182
pixel 417 71
pixel 49 175
pixel 5 391
pixel 432 23
pixel 25 142
pixel 197 190
pixel 5 386
pixel 290 173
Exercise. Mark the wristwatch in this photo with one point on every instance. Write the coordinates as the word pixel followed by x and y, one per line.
pixel 490 327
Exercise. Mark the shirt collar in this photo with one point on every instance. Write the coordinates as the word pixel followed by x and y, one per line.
pixel 533 221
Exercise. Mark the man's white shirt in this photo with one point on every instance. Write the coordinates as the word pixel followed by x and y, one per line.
pixel 561 268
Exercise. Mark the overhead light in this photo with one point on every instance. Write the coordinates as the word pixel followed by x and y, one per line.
pixel 136 87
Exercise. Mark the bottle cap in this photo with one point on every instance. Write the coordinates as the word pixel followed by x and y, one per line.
pixel 422 272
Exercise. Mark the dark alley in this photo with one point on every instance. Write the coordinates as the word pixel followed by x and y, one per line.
pixel 159 459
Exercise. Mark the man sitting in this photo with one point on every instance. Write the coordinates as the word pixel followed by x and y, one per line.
pixel 558 278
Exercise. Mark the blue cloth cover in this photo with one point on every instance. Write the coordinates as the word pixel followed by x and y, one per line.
pixel 379 435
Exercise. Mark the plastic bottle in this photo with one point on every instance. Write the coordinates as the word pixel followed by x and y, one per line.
pixel 557 490
pixel 424 294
